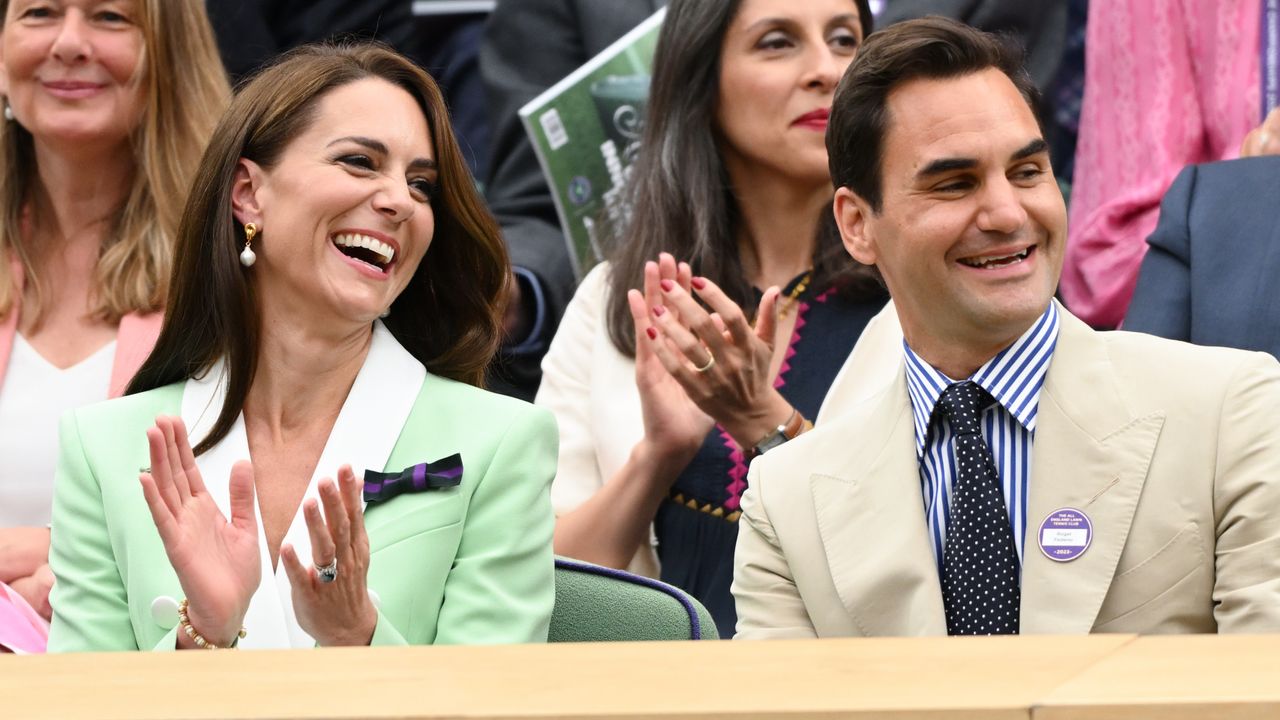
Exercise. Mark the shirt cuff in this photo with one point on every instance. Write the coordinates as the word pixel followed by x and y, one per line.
pixel 531 291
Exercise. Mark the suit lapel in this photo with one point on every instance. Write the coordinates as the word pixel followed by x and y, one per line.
pixel 1091 455
pixel 874 362
pixel 370 421
pixel 871 519
pixel 366 430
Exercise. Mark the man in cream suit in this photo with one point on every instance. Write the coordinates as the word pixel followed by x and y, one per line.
pixel 1070 481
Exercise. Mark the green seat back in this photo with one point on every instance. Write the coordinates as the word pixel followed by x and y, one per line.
pixel 595 604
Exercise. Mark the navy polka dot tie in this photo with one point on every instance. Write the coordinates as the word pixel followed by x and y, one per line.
pixel 980 564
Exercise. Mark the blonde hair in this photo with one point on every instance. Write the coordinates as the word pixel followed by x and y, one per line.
pixel 185 90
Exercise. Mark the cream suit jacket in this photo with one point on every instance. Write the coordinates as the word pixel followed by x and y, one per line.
pixel 1170 449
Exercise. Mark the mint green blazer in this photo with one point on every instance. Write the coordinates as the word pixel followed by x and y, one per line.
pixel 470 564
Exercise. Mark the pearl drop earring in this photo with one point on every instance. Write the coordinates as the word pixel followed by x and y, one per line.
pixel 8 111
pixel 247 256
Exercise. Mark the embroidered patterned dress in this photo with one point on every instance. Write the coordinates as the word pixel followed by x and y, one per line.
pixel 697 525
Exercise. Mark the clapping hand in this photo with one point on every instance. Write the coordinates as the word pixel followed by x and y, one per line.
pixel 674 426
pixel 217 561
pixel 330 599
pixel 721 362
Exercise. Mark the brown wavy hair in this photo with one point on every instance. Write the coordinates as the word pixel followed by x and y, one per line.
pixel 449 315
pixel 185 90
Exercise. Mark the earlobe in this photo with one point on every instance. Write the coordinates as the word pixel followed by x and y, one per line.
pixel 851 217
pixel 246 184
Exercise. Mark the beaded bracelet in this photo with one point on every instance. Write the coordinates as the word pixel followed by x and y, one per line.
pixel 196 637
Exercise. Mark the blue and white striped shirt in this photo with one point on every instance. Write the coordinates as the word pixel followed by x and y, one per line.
pixel 1014 378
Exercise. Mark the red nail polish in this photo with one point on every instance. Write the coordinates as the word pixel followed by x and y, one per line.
pixel 658 310
pixel 667 285
pixel 653 334
pixel 698 283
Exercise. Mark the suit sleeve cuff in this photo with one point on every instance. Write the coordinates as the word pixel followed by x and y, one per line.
pixel 384 633
pixel 531 290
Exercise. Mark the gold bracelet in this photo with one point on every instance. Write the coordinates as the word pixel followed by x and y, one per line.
pixel 196 637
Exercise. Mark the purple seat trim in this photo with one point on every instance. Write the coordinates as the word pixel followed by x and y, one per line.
pixel 695 625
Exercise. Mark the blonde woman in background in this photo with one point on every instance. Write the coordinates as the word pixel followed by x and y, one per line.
pixel 107 108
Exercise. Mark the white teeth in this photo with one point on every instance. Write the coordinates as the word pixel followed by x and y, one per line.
pixel 364 241
pixel 996 261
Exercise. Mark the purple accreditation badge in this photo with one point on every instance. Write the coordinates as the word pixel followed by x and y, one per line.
pixel 1065 534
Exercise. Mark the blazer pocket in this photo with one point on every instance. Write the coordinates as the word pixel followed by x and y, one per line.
pixel 414 514
pixel 1135 585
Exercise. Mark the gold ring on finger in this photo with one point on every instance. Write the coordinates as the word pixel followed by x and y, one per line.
pixel 711 362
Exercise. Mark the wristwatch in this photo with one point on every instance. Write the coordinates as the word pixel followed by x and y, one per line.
pixel 784 432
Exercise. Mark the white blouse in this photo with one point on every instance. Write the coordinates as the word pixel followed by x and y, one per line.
pixel 34 395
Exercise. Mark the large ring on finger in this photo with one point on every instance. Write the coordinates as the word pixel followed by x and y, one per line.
pixel 711 362
pixel 327 573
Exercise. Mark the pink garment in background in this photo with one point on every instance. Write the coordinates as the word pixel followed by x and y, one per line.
pixel 1167 83
pixel 22 630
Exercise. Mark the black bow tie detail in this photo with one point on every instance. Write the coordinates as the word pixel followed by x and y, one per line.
pixel 443 473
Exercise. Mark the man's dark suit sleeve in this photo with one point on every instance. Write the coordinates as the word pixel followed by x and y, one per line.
pixel 529 45
pixel 1162 301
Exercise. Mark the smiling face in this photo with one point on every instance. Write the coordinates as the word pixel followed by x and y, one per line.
pixel 70 69
pixel 779 66
pixel 972 229
pixel 345 212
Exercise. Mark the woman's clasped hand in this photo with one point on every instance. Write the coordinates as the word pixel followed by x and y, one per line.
pixel 218 560
pixel 724 366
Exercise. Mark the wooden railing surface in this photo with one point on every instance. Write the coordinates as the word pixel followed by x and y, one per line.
pixel 1119 677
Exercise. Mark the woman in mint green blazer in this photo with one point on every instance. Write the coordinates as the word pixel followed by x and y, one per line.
pixel 332 194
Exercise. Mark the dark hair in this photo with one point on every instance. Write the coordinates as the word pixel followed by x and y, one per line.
pixel 929 48
pixel 449 315
pixel 680 199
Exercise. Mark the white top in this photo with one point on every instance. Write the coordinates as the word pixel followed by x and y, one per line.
pixel 33 397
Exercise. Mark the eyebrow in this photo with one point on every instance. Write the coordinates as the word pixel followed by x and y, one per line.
pixel 1035 147
pixel 946 165
pixel 381 148
pixel 790 22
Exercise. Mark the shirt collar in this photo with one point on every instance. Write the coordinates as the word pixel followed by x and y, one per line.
pixel 1014 377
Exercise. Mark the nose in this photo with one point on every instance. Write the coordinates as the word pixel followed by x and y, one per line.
pixel 825 69
pixel 72 42
pixel 1000 209
pixel 395 202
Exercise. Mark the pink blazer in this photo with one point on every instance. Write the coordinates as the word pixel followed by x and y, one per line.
pixel 134 340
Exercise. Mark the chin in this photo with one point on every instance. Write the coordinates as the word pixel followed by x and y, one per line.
pixel 1015 313
pixel 79 134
